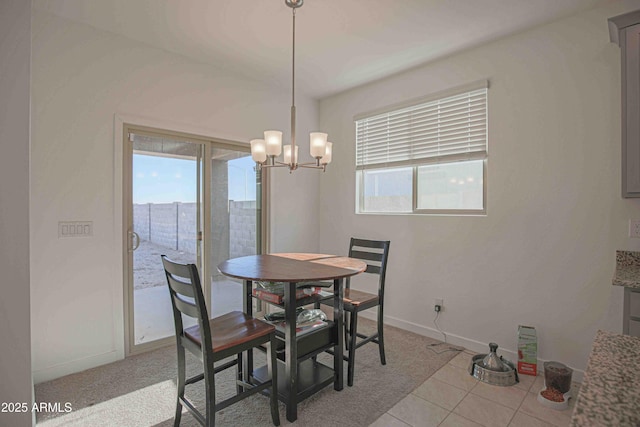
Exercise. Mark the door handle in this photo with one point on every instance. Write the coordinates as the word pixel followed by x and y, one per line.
pixel 134 240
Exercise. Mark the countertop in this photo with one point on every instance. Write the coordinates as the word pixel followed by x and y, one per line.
pixel 610 392
pixel 627 269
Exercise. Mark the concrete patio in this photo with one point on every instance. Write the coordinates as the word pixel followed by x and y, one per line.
pixel 154 319
pixel 152 305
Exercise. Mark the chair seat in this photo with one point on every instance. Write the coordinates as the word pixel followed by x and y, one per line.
pixel 358 298
pixel 230 330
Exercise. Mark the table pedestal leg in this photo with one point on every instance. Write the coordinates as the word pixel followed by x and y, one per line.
pixel 338 318
pixel 291 351
pixel 247 357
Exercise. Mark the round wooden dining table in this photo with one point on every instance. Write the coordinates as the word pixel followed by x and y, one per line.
pixel 303 374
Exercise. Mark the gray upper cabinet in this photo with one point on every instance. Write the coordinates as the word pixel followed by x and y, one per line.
pixel 624 30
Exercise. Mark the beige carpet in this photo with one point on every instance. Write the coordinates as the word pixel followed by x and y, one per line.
pixel 140 390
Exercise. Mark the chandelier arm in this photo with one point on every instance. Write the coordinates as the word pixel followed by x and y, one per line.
pixel 275 165
pixel 312 166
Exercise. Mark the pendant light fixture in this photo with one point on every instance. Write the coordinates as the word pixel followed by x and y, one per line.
pixel 265 151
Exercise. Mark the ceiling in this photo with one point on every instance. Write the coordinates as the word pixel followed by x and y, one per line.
pixel 339 44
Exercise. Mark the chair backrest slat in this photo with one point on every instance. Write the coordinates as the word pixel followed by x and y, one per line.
pixel 369 256
pixel 378 244
pixel 185 307
pixel 181 287
pixel 175 269
pixel 373 269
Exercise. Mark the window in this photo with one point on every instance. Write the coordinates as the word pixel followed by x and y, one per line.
pixel 428 156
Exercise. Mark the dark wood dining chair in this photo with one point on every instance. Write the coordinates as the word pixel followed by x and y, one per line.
pixel 375 253
pixel 212 340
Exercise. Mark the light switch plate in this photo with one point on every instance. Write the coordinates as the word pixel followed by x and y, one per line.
pixel 75 229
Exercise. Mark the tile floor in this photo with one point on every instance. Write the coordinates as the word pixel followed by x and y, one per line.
pixel 452 397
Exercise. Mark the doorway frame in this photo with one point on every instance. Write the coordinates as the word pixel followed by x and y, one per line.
pixel 123 124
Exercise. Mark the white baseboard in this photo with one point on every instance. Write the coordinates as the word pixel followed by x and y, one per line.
pixel 74 366
pixel 469 344
pixel 79 365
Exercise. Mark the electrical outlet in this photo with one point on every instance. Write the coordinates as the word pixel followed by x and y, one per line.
pixel 438 304
pixel 634 228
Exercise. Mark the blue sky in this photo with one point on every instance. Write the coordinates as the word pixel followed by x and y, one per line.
pixel 165 180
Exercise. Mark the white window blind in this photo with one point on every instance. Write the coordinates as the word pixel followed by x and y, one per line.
pixel 446 129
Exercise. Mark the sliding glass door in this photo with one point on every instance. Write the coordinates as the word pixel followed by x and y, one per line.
pixel 193 211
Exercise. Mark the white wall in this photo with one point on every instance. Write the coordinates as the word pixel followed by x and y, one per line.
pixel 81 78
pixel 544 254
pixel 15 332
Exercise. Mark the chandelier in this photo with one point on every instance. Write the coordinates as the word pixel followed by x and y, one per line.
pixel 265 151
